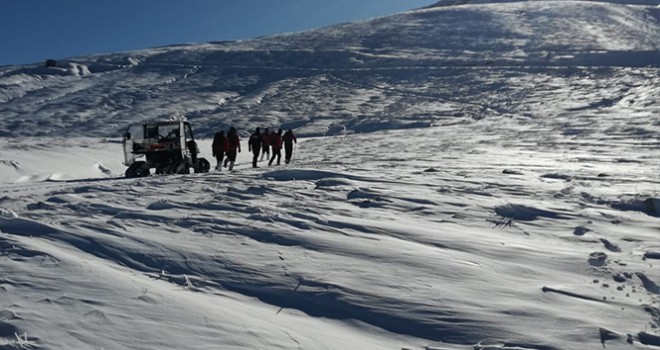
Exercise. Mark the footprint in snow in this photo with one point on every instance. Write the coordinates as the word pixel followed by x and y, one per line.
pixel 581 230
pixel 649 285
pixel 610 246
pixel 597 259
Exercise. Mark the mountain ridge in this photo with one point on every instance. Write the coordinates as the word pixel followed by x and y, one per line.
pixel 443 3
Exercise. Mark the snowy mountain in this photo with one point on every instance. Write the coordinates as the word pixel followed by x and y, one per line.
pixel 472 175
pixel 409 70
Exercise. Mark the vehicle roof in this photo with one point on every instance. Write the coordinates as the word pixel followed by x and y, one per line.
pixel 158 123
pixel 168 122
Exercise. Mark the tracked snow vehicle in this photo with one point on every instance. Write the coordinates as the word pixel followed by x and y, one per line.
pixel 167 146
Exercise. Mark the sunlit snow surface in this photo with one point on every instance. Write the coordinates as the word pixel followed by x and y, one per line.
pixel 472 207
pixel 407 70
pixel 384 240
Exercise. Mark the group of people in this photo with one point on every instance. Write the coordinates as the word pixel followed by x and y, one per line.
pixel 226 147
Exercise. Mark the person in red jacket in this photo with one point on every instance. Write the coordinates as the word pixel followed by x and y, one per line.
pixel 219 147
pixel 277 146
pixel 234 145
pixel 265 146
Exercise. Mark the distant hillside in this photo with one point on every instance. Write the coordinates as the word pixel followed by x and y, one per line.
pixel 412 70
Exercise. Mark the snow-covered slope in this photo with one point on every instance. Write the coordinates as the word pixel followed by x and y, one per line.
pixel 488 179
pixel 409 69
pixel 463 236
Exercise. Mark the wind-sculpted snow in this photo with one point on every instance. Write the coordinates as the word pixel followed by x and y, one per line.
pixel 457 240
pixel 487 178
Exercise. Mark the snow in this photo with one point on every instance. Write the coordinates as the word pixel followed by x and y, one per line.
pixel 466 177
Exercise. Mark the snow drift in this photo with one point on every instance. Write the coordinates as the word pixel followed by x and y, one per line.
pixel 487 178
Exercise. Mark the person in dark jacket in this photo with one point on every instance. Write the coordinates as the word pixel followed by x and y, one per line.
pixel 254 146
pixel 219 147
pixel 289 139
pixel 234 145
pixel 276 142
pixel 265 145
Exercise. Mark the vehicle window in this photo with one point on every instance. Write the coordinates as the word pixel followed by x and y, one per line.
pixel 137 132
pixel 151 131
pixel 170 132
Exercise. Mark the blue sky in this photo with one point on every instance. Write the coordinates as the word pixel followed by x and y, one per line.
pixel 34 30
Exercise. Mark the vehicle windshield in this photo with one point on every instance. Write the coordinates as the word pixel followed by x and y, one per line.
pixel 170 131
